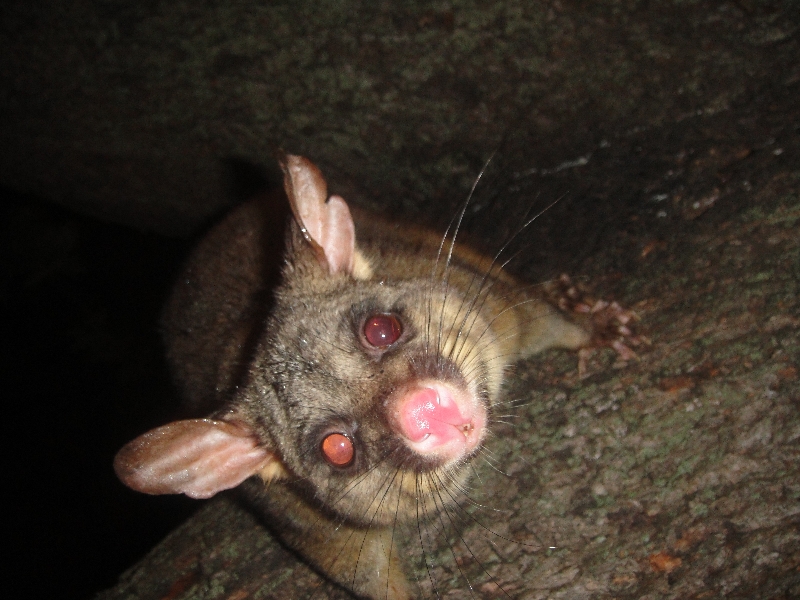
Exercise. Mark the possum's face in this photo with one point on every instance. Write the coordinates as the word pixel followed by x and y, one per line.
pixel 383 393
pixel 370 390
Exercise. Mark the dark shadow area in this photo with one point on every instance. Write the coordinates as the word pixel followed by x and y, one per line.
pixel 84 373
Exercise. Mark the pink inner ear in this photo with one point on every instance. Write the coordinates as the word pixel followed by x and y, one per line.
pixel 338 236
pixel 326 222
pixel 196 457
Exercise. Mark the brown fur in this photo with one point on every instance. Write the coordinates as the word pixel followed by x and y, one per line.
pixel 287 378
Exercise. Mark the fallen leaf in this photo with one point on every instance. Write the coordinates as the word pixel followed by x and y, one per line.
pixel 663 562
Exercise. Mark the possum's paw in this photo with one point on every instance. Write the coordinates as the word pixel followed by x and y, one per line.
pixel 611 324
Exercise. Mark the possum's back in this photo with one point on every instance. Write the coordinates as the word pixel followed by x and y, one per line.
pixel 212 317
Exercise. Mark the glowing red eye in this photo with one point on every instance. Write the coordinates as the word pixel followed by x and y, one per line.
pixel 338 449
pixel 381 331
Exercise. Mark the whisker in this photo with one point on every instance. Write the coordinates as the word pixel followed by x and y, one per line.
pixel 464 542
pixel 491 464
pixel 442 508
pixel 494 262
pixel 456 230
pixel 369 526
pixel 420 500
pixel 455 502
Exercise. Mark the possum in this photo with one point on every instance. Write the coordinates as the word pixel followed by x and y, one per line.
pixel 357 404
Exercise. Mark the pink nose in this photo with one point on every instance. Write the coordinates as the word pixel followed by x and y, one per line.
pixel 431 418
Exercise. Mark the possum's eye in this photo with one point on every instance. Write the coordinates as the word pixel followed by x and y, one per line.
pixel 338 449
pixel 382 330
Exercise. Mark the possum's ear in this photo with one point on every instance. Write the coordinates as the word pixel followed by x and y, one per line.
pixel 196 457
pixel 325 222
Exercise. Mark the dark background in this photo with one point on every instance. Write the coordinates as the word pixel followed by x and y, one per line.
pixel 83 373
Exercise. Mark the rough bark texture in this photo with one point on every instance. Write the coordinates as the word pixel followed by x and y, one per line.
pixel 130 110
pixel 670 129
pixel 677 476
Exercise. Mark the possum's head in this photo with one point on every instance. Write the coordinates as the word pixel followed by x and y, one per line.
pixel 370 390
